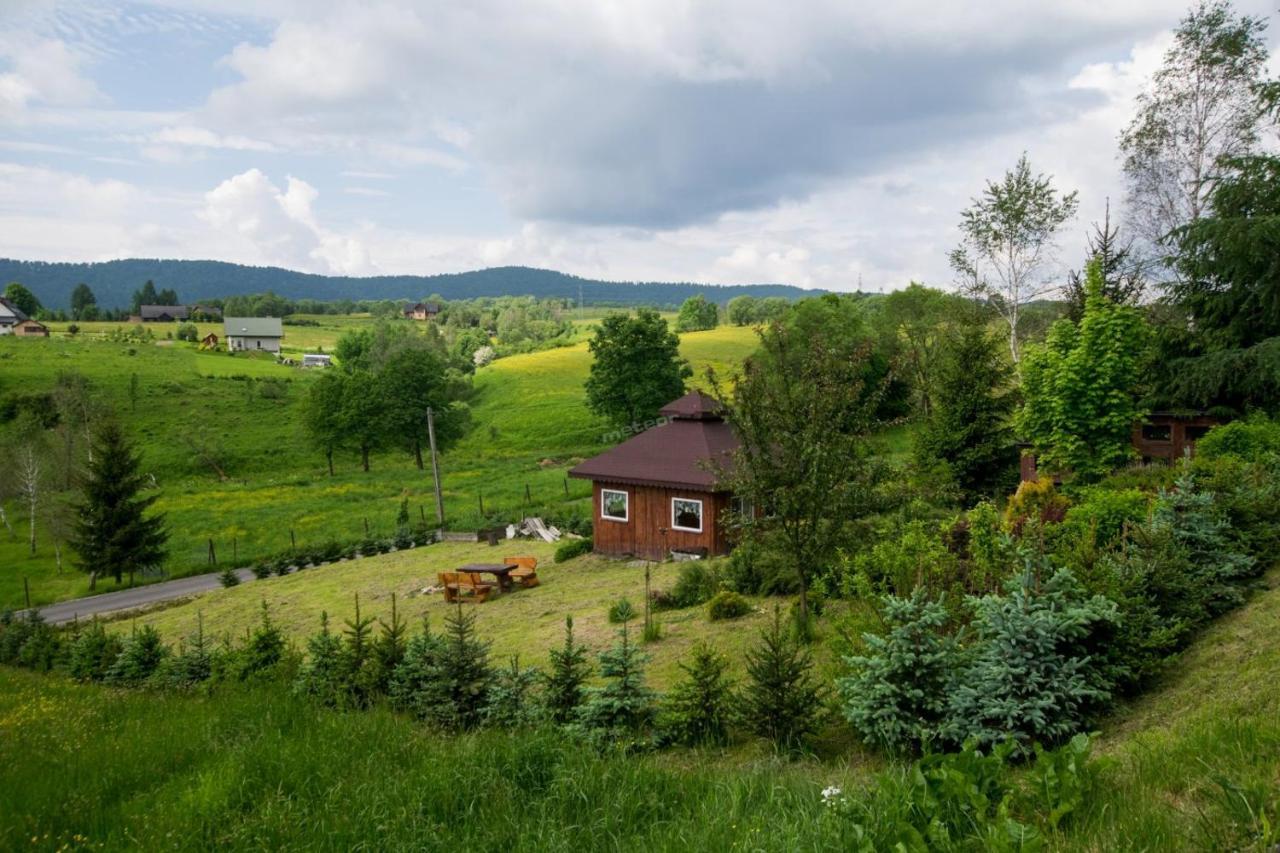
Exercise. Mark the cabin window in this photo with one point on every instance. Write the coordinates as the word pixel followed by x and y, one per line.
pixel 613 505
pixel 1195 433
pixel 1156 432
pixel 742 508
pixel 686 514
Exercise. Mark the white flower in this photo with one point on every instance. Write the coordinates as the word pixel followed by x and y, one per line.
pixel 830 795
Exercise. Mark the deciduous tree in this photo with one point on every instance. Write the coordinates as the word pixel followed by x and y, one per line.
pixel 637 368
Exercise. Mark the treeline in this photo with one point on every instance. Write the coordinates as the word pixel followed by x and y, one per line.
pixel 115 282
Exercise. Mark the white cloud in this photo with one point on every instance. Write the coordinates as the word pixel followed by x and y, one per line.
pixel 42 72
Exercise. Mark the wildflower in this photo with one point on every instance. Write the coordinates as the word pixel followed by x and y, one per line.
pixel 831 796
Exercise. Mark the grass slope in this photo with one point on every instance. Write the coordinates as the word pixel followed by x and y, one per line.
pixel 530 425
pixel 1193 766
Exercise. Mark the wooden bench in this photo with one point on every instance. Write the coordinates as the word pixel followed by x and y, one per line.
pixel 526 575
pixel 458 584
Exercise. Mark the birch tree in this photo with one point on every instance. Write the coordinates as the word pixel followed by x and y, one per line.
pixel 1203 107
pixel 1009 239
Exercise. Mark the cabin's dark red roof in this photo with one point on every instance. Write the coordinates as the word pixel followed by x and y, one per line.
pixel 683 453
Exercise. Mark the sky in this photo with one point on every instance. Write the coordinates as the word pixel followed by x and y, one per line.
pixel 820 143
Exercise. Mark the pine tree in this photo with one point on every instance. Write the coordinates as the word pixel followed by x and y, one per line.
pixel 896 696
pixel 465 671
pixel 781 701
pixel 322 675
pixel 228 577
pixel 93 651
pixel 388 650
pixel 512 700
pixel 141 655
pixel 570 670
pixel 265 648
pixel 114 532
pixel 357 659
pixel 698 709
pixel 417 683
pixel 624 706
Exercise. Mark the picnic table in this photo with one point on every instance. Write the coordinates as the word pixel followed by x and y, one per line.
pixel 502 571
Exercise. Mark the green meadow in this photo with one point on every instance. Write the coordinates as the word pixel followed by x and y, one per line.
pixel 530 424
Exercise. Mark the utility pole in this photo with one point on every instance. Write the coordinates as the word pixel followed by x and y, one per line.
pixel 435 465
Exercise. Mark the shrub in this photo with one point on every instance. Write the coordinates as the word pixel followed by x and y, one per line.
pixel 228 577
pixel 696 583
pixel 416 682
pixel 92 653
pixel 698 709
pixel 188 332
pixel 1250 438
pixel 140 656
pixel 1103 515
pixel 1035 499
pixel 192 665
pixel 760 568
pixel 896 696
pixel 261 569
pixel 264 651
pixel 464 672
pixel 1038 671
pixel 569 672
pixel 781 701
pixel 42 649
pixel 571 548
pixel 621 612
pixel 727 605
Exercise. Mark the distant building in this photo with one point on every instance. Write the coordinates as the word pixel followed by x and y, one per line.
pixel 209 341
pixel 657 492
pixel 256 334
pixel 29 328
pixel 422 311
pixel 163 313
pixel 206 312
pixel 1170 435
pixel 10 316
pixel 312 359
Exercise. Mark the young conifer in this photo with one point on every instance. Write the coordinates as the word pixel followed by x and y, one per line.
pixel 781 701
pixel 570 670
pixel 321 675
pixel 698 709
pixel 624 706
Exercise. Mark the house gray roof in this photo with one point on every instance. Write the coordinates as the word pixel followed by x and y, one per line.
pixel 10 314
pixel 252 327
pixel 152 312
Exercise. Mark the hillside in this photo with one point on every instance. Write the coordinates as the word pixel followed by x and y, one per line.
pixel 1193 766
pixel 530 424
pixel 114 282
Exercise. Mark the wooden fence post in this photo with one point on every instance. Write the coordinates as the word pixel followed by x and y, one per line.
pixel 293 540
pixel 213 555
pixel 26 588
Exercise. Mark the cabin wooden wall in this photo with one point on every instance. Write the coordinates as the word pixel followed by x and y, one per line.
pixel 1182 432
pixel 647 532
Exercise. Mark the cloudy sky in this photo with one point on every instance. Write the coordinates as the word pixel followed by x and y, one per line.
pixel 821 143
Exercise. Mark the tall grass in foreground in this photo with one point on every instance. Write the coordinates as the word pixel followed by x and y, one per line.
pixel 258 768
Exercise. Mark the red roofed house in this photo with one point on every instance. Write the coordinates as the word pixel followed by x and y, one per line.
pixel 657 492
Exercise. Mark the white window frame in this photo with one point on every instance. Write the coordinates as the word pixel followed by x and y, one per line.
pixel 626 505
pixel 675 526
pixel 742 508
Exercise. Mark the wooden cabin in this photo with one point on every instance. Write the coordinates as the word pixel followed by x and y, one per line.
pixel 656 495
pixel 1169 435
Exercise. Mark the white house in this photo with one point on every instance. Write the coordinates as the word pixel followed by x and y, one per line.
pixel 10 316
pixel 259 334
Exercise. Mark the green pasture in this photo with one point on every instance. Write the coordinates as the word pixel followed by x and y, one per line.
pixel 530 424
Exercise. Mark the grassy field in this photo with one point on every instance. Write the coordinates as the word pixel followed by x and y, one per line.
pixel 530 425
pixel 527 623
pixel 1192 766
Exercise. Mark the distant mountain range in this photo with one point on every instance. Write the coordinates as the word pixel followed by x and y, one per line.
pixel 113 282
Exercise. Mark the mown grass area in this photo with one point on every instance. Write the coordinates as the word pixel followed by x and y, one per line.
pixel 527 623
pixel 530 424
pixel 1192 766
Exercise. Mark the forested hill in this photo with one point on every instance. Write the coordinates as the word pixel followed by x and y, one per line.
pixel 113 282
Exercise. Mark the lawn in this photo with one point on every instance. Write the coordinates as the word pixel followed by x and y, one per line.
pixel 527 623
pixel 530 424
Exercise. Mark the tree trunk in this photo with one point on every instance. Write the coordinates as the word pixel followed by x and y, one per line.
pixel 33 523
pixel 93 581
pixel 1013 339
pixel 329 455
pixel 364 457
pixel 4 519
pixel 57 554
pixel 417 452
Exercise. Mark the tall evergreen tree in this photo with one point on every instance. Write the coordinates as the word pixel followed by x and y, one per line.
pixel 569 672
pixel 969 429
pixel 146 295
pixel 1122 273
pixel 114 531
pixel 84 304
pixel 781 700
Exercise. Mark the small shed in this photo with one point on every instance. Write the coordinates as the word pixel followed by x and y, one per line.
pixel 313 359
pixel 1170 435
pixel 253 334
pixel 658 492
pixel 29 328
pixel 209 341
